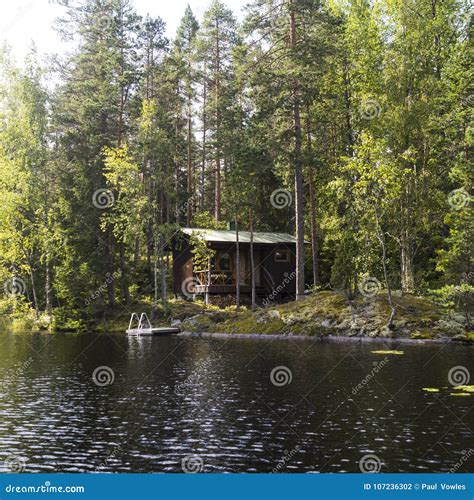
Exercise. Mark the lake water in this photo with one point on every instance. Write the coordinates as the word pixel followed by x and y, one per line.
pixel 217 405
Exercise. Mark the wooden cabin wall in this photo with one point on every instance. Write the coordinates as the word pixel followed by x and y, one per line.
pixel 182 267
pixel 283 273
pixel 265 257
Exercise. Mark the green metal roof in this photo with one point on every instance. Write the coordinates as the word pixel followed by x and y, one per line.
pixel 219 235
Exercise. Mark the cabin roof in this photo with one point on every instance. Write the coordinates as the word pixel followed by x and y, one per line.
pixel 225 236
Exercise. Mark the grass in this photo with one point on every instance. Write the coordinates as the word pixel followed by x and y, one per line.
pixel 326 313
pixel 320 314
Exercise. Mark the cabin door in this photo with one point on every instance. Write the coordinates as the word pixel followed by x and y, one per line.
pixel 258 268
pixel 243 268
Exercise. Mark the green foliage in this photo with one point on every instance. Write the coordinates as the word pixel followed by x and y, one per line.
pixel 70 320
pixel 202 253
pixel 458 297
pixel 205 220
pixel 202 129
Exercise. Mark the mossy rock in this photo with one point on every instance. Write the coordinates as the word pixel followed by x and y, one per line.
pixel 321 314
pixel 248 324
pixel 182 309
pixel 309 329
pixel 422 335
pixel 469 337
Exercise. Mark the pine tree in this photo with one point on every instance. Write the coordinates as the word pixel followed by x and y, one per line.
pixel 217 40
pixel 184 53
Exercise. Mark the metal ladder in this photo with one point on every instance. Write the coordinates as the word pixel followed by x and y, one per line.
pixel 144 325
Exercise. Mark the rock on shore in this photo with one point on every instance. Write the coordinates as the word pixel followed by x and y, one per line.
pixel 330 313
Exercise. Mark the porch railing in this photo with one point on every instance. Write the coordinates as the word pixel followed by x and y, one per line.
pixel 213 277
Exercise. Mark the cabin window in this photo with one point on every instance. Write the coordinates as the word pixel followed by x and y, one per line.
pixel 282 256
pixel 223 262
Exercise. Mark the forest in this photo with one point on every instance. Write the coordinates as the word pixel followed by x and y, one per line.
pixel 347 123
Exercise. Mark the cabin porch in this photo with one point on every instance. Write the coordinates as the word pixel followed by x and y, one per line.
pixel 221 278
pixel 273 264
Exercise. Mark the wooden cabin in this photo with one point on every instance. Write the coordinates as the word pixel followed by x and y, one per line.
pixel 274 259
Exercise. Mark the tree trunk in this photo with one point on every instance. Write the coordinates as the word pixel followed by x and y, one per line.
pixel 47 285
pixel 314 229
pixel 381 237
pixel 252 261
pixel 217 198
pixel 407 275
pixel 204 130
pixel 406 264
pixel 149 251
pixel 123 270
pixel 347 108
pixel 110 270
pixel 122 73
pixel 163 274
pixel 237 265
pixel 299 195
pixel 177 207
pixel 136 252
pixel 190 169
pixel 206 294
pixel 312 206
pixel 155 275
pixel 33 286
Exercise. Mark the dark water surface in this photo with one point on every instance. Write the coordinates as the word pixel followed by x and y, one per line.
pixel 211 404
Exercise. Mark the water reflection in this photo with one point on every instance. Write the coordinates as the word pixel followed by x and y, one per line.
pixel 211 404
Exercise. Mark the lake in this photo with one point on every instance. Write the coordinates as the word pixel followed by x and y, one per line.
pixel 75 403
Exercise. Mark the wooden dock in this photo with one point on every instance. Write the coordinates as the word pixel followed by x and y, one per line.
pixel 143 327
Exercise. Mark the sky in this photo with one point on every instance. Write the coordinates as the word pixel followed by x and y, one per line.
pixel 24 21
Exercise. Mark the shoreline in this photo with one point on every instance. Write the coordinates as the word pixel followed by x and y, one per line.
pixel 269 336
pixel 323 316
pixel 328 338
pixel 327 316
